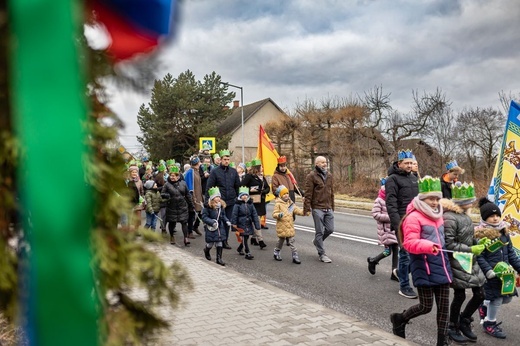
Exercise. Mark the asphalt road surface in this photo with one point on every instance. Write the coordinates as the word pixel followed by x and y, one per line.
pixel 345 284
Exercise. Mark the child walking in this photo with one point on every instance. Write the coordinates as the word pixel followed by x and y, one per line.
pixel 422 235
pixel 498 255
pixel 245 219
pixel 153 203
pixel 216 224
pixel 386 235
pixel 459 235
pixel 283 213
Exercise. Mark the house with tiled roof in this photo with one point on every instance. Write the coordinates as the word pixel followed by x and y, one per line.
pixel 255 114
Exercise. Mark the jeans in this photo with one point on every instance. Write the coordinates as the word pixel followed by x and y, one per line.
pixel 494 306
pixel 403 267
pixel 323 226
pixel 151 221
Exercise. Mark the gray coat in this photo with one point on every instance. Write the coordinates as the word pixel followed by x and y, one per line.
pixel 459 236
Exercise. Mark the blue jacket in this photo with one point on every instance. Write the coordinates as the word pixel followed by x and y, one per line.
pixel 209 215
pixel 244 216
pixel 227 180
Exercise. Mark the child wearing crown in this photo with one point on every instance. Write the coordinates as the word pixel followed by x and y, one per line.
pixel 283 212
pixel 422 235
pixel 216 224
pixel 497 262
pixel 245 219
pixel 459 236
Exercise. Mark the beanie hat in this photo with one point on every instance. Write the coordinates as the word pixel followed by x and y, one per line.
pixel 194 160
pixel 213 192
pixel 133 168
pixel 488 208
pixel 429 187
pixel 243 190
pixel 242 165
pixel 280 191
pixel 149 184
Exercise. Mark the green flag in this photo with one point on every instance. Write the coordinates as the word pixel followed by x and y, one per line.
pixel 48 98
pixel 465 260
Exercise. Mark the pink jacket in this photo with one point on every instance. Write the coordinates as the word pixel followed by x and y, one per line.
pixel 379 213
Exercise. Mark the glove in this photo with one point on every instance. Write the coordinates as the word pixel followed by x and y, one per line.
pixel 490 274
pixel 484 241
pixel 477 249
pixel 228 223
pixel 280 215
pixel 215 225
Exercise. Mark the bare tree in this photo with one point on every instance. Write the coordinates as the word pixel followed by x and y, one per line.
pixel 481 133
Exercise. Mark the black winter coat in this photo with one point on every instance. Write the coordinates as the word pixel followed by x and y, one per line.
pixel 180 202
pixel 228 182
pixel 263 189
pixel 244 216
pixel 209 215
pixel 401 187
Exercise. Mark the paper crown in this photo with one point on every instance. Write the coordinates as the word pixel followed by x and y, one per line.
pixel 161 168
pixel 148 167
pixel 162 162
pixel 462 191
pixel 224 152
pixel 256 162
pixel 405 154
pixel 232 164
pixel 243 189
pixel 429 184
pixel 170 162
pixel 214 192
pixel 216 156
pixel 174 169
pixel 452 164
pixel 282 159
pixel 248 164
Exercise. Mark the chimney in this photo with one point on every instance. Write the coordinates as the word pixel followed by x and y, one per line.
pixel 236 104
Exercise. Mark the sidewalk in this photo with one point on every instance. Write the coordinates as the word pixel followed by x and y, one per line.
pixel 228 308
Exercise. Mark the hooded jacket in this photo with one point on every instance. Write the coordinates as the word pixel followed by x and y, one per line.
pixel 180 202
pixel 459 235
pixel 401 187
pixel 285 224
pixel 385 234
pixel 210 214
pixel 487 260
pixel 245 217
pixel 420 234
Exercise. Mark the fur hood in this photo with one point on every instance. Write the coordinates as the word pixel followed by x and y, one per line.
pixel 449 205
pixel 490 232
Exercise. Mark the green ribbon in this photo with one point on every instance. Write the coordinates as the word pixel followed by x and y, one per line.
pixel 48 98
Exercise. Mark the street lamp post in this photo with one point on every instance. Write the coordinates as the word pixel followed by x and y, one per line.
pixel 241 112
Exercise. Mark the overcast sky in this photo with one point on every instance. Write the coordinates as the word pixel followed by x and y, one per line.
pixel 302 49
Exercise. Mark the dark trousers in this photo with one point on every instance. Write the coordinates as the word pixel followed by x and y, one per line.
pixel 459 296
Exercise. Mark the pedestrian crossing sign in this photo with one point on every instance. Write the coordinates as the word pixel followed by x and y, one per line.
pixel 207 143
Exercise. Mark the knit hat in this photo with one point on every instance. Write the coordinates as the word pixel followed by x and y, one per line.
pixel 149 184
pixel 463 194
pixel 282 190
pixel 429 187
pixel 133 168
pixel 213 192
pixel 194 160
pixel 488 208
pixel 243 190
pixel 242 165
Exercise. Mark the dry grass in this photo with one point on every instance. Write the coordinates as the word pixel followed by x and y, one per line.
pixel 10 334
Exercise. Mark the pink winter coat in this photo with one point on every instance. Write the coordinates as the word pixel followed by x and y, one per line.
pixel 386 236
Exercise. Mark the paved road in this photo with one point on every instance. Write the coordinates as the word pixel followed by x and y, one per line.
pixel 345 285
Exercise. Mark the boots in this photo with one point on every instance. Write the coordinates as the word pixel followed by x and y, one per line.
pixel 206 253
pixel 465 328
pixel 398 324
pixel 373 261
pixel 226 245
pixel 172 240
pixel 254 242
pixel 296 258
pixel 277 255
pixel 261 244
pixel 455 335
pixel 442 340
pixel 249 256
pixel 186 241
pixel 219 256
pixel 239 249
pixel 196 230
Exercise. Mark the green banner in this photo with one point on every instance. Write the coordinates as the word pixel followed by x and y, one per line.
pixel 465 260
pixel 48 98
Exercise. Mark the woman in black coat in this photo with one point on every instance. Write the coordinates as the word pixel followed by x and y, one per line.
pixel 179 204
pixel 259 187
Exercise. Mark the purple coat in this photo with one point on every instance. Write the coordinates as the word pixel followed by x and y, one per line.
pixel 386 236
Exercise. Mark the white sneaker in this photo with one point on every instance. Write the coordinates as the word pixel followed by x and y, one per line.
pixel 325 259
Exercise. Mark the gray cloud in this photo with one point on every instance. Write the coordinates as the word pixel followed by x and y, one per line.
pixel 294 50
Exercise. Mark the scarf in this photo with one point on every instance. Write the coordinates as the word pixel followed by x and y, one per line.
pixel 501 225
pixel 425 209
